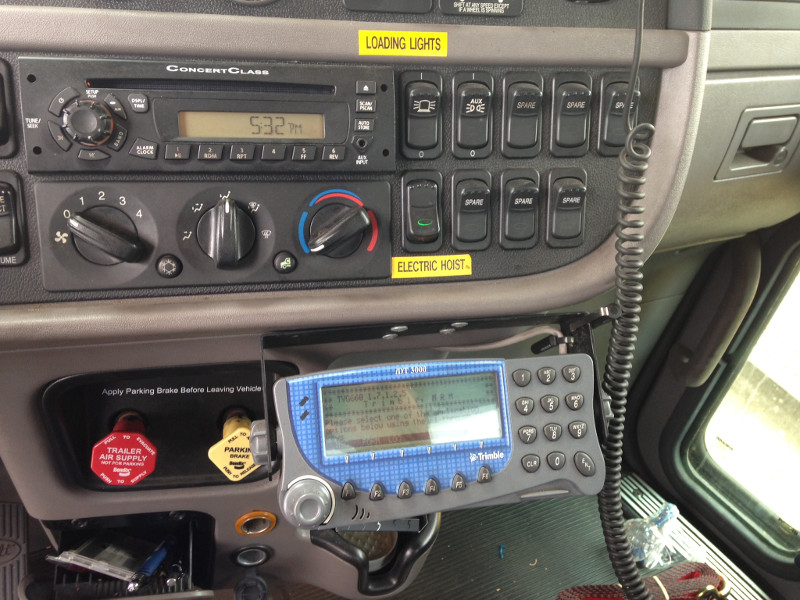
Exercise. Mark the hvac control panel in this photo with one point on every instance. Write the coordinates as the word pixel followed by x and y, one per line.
pixel 388 442
pixel 401 212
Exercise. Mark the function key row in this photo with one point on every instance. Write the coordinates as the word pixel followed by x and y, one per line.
pixel 546 375
pixel 406 490
pixel 557 460
pixel 549 403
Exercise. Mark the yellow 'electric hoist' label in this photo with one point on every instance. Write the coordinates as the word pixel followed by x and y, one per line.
pixel 452 265
pixel 402 43
pixel 232 454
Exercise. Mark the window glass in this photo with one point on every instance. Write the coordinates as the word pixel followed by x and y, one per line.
pixel 754 434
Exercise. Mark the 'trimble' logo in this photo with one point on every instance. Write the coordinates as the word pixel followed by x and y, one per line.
pixel 476 456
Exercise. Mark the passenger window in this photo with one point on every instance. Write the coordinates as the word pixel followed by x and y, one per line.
pixel 752 438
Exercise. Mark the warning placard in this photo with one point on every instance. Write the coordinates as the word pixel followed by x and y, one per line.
pixel 452 265
pixel 123 458
pixel 402 43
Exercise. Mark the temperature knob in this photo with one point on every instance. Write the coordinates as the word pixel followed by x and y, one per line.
pixel 88 122
pixel 226 234
pixel 307 503
pixel 336 230
pixel 105 235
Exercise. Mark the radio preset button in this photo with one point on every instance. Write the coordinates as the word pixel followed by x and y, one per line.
pixel 333 153
pixel 585 464
pixel 273 152
pixel 58 136
pixel 552 431
pixel 546 375
pixel 574 401
pixel 484 474
pixel 118 138
pixel 531 463
pixel 66 96
pixel 178 152
pixel 521 377
pixel 92 155
pixel 304 153
pixel 459 483
pixel 144 149
pixel 571 373
pixel 348 491
pixel 527 434
pixel 556 460
pixel 366 105
pixel 210 152
pixel 377 493
pixel 431 487
pixel 549 403
pixel 115 106
pixel 524 405
pixel 405 490
pixel 366 88
pixel 243 151
pixel 139 102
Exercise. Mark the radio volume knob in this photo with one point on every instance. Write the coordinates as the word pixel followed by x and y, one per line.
pixel 88 122
pixel 226 233
pixel 307 503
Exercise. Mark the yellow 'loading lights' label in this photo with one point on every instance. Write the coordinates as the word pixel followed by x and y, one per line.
pixel 402 43
pixel 453 265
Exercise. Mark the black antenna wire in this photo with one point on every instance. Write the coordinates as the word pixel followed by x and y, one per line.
pixel 622 344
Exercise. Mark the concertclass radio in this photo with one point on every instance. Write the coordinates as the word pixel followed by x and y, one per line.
pixel 147 116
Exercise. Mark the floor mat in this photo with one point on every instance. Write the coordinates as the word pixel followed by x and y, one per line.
pixel 13 547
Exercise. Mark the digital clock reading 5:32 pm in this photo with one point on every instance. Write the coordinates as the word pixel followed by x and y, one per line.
pixel 217 125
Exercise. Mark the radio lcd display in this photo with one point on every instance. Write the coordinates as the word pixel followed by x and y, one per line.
pixel 400 414
pixel 218 125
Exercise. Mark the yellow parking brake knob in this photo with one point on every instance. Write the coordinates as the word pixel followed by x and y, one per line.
pixel 232 455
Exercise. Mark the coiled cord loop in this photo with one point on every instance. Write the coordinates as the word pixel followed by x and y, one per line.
pixel 616 378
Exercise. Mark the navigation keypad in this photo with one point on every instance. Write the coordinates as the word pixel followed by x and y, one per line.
pixel 558 407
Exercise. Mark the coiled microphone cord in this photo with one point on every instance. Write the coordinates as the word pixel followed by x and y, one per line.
pixel 622 344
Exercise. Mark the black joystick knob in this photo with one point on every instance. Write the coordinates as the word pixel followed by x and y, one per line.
pixel 226 234
pixel 336 230
pixel 88 122
pixel 105 235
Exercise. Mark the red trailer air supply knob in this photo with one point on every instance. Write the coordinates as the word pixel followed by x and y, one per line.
pixel 125 456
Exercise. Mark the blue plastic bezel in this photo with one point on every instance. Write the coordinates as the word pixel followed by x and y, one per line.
pixel 415 464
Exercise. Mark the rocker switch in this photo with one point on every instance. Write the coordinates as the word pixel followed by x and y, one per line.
pixel 423 225
pixel 423 121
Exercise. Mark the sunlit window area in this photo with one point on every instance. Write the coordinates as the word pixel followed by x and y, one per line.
pixel 754 435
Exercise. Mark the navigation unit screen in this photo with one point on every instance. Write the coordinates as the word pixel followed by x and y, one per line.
pixel 419 412
pixel 217 125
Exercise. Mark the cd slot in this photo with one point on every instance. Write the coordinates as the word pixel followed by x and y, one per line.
pixel 269 87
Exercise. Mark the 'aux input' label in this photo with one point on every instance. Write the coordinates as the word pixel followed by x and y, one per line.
pixel 453 265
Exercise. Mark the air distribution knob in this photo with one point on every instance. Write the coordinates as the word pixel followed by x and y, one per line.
pixel 105 235
pixel 336 230
pixel 226 233
pixel 307 503
pixel 88 122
